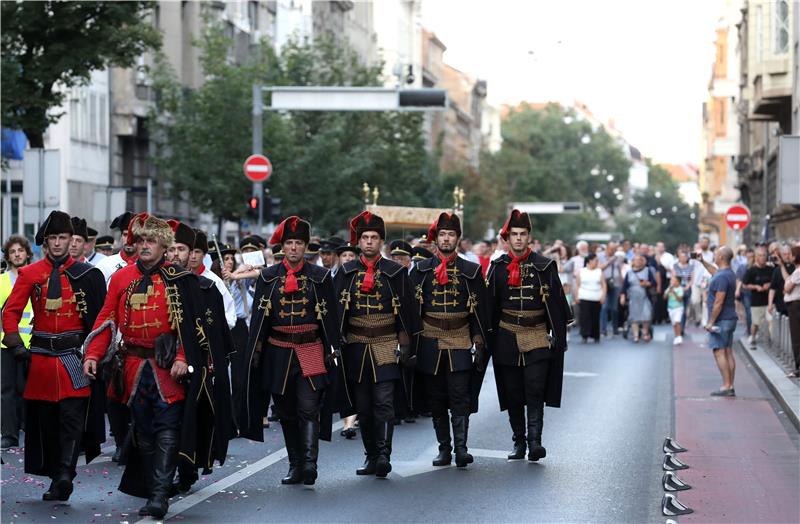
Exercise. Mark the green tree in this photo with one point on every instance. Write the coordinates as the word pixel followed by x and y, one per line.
pixel 660 213
pixel 320 159
pixel 49 46
pixel 550 154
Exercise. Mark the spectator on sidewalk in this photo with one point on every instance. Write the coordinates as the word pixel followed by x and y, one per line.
pixel 783 268
pixel 722 317
pixel 612 273
pixel 743 295
pixel 674 297
pixel 638 280
pixel 757 280
pixel 791 297
pixel 591 293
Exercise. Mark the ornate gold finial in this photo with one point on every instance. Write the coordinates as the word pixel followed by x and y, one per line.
pixel 461 198
pixel 365 189
pixel 375 195
pixel 455 198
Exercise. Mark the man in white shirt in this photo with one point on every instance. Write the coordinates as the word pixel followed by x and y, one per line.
pixel 126 255
pixel 92 256
pixel 198 253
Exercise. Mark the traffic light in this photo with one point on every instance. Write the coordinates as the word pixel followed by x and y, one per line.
pixel 274 210
pixel 425 98
pixel 252 207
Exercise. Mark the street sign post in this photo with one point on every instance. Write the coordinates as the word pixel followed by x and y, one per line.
pixel 257 168
pixel 737 217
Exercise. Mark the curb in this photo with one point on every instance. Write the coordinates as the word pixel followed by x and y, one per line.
pixel 786 392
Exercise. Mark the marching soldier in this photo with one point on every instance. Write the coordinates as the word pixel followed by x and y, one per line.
pixel 104 246
pixel 289 353
pixel 198 253
pixel 158 367
pixel 400 251
pixel 530 317
pixel 90 251
pixel 377 315
pixel 453 306
pixel 80 236
pixel 66 296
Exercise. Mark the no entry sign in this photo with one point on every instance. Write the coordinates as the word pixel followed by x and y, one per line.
pixel 737 217
pixel 257 168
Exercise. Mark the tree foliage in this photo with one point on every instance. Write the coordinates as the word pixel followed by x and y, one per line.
pixel 320 159
pixel 50 46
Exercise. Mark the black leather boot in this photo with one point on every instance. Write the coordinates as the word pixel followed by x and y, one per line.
pixel 383 441
pixel 165 460
pixel 516 417
pixel 291 437
pixel 367 429
pixel 309 438
pixel 442 428
pixel 146 444
pixel 460 440
pixel 185 478
pixel 61 487
pixel 535 425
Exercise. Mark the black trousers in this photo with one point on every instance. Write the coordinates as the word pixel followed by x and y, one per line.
pixel 524 385
pixel 448 390
pixel 590 319
pixel 151 415
pixel 12 385
pixel 300 403
pixel 61 424
pixel 374 399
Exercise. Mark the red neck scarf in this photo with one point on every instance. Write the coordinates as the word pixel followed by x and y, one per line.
pixel 369 279
pixel 291 280
pixel 441 270
pixel 200 270
pixel 128 259
pixel 514 277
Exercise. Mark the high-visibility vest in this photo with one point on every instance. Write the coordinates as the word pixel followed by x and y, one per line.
pixel 25 325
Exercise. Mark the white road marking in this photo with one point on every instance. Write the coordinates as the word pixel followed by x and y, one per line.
pixel 579 374
pixel 224 483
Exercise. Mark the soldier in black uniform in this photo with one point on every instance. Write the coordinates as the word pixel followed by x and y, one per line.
pixel 453 306
pixel 400 251
pixel 293 334
pixel 377 315
pixel 530 316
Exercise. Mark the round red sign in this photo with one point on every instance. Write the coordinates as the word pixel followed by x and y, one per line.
pixel 737 217
pixel 257 168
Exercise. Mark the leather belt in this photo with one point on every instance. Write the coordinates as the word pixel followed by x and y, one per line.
pixel 138 351
pixel 57 343
pixel 447 324
pixel 295 338
pixel 371 332
pixel 523 321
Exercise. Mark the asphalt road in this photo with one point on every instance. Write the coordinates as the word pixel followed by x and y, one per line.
pixel 603 463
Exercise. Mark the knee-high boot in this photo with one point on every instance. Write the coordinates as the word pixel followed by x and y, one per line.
pixel 460 424
pixel 165 460
pixel 309 435
pixel 61 487
pixel 442 429
pixel 535 425
pixel 291 437
pixel 367 429
pixel 146 446
pixel 516 417
pixel 383 442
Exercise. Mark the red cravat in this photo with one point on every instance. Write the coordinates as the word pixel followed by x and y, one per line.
pixel 369 279
pixel 514 277
pixel 200 270
pixel 441 271
pixel 291 280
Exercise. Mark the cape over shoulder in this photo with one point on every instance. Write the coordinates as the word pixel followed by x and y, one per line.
pixel 173 272
pixel 318 274
pixel 390 268
pixel 78 270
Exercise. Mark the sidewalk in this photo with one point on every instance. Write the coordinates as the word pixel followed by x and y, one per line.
pixel 744 462
pixel 786 390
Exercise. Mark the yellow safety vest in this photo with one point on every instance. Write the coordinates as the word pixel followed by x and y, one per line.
pixel 25 325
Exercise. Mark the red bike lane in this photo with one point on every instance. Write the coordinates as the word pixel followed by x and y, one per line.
pixel 744 465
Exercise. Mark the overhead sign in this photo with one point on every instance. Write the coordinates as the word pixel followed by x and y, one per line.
pixel 325 98
pixel 548 208
pixel 257 168
pixel 737 217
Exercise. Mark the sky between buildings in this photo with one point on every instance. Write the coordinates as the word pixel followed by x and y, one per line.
pixel 644 63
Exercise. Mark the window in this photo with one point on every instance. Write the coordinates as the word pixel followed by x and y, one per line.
pixel 93 119
pixel 759 34
pixel 781 27
pixel 74 124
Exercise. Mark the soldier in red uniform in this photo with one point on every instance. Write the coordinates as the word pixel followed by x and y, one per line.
pixel 66 296
pixel 151 303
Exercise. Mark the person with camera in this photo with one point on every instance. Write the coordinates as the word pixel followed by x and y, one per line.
pixel 784 267
pixel 722 317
